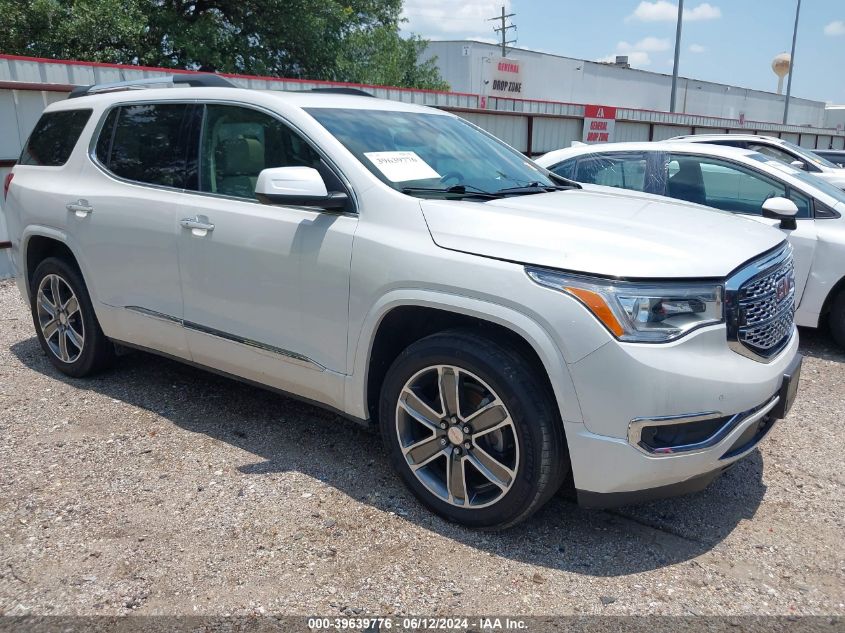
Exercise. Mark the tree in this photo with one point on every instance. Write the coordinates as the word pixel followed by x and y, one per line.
pixel 340 40
pixel 383 57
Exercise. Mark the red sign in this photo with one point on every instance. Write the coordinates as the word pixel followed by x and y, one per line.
pixel 599 122
pixel 599 112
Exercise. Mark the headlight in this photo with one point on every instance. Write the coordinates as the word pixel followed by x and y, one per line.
pixel 641 312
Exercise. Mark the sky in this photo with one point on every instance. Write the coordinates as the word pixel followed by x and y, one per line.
pixel 726 41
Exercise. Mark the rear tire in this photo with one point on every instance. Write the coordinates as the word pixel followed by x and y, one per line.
pixel 836 318
pixel 64 320
pixel 472 429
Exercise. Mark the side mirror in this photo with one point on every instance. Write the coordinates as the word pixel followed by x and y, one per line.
pixel 297 187
pixel 799 164
pixel 781 209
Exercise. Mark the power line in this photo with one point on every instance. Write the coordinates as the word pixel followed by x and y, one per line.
pixel 503 30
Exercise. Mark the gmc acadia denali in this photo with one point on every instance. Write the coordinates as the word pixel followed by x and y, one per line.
pixel 504 327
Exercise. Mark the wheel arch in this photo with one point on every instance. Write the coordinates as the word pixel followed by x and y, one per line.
pixel 838 287
pixel 39 243
pixel 407 316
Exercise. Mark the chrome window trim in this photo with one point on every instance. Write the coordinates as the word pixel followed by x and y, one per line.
pixel 733 285
pixel 203 329
pixel 636 426
pixel 92 150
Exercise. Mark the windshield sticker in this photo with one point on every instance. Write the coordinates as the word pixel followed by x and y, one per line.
pixel 401 166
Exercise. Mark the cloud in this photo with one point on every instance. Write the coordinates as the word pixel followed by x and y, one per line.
pixel 697 48
pixel 638 53
pixel 446 19
pixel 635 58
pixel 835 28
pixel 664 11
pixel 647 44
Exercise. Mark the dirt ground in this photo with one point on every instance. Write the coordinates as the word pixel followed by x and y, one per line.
pixel 157 488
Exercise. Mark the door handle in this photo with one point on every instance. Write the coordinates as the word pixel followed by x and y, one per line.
pixel 197 224
pixel 81 208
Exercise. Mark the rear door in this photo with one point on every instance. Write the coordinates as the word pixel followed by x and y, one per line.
pixel 739 189
pixel 126 221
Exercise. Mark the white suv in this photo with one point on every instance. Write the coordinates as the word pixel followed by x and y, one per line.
pixel 397 264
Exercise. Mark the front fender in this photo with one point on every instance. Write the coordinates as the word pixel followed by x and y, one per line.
pixel 519 323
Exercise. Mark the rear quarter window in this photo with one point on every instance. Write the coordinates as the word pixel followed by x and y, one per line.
pixel 54 137
pixel 147 143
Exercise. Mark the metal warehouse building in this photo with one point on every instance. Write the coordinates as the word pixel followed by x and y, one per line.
pixel 629 100
pixel 471 66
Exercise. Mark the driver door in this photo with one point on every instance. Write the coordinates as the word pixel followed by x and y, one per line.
pixel 265 287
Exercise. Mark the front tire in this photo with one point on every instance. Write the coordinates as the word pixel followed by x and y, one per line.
pixel 472 429
pixel 65 322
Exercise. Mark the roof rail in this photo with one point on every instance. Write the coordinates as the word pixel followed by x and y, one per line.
pixel 344 91
pixel 197 80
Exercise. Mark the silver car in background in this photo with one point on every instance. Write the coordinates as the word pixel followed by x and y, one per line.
pixel 777 148
pixel 806 208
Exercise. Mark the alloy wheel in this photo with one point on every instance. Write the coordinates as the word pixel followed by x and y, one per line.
pixel 60 319
pixel 457 436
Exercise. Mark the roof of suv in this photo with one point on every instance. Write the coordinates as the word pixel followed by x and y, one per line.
pixel 242 95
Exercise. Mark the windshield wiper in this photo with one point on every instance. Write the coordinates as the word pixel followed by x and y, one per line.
pixel 465 191
pixel 533 187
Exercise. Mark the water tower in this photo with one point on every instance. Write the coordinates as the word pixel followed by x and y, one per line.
pixel 780 66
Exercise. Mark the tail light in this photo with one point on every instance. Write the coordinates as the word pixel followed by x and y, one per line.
pixel 6 182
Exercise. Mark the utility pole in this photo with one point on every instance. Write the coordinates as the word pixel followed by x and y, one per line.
pixel 791 64
pixel 677 56
pixel 504 30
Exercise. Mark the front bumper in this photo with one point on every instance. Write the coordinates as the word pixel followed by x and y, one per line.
pixel 610 468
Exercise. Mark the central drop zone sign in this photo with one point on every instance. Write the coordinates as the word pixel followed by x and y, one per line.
pixel 505 78
pixel 599 123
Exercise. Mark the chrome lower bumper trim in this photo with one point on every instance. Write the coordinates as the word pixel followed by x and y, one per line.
pixel 636 426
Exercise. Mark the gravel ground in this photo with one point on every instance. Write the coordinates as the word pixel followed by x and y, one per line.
pixel 161 489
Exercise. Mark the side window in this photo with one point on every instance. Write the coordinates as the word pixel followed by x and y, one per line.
pixel 146 143
pixel 565 169
pixel 625 171
pixel 237 143
pixel 726 186
pixel 54 138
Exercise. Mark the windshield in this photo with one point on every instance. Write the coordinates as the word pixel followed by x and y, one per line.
pixel 425 154
pixel 810 156
pixel 819 183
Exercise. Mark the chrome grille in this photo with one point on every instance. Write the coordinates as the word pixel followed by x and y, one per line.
pixel 760 302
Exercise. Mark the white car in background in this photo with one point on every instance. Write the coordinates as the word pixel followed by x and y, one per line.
pixel 807 209
pixel 784 151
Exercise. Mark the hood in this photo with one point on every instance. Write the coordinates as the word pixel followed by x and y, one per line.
pixel 601 231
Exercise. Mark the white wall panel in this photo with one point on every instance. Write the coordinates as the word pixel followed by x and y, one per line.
pixel 513 130
pixel 808 140
pixel 28 105
pixel 10 143
pixel 839 142
pixel 552 133
pixel 710 130
pixel 823 141
pixel 662 132
pixel 789 136
pixel 630 131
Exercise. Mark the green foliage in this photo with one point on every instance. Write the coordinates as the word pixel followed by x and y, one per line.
pixel 381 56
pixel 341 40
